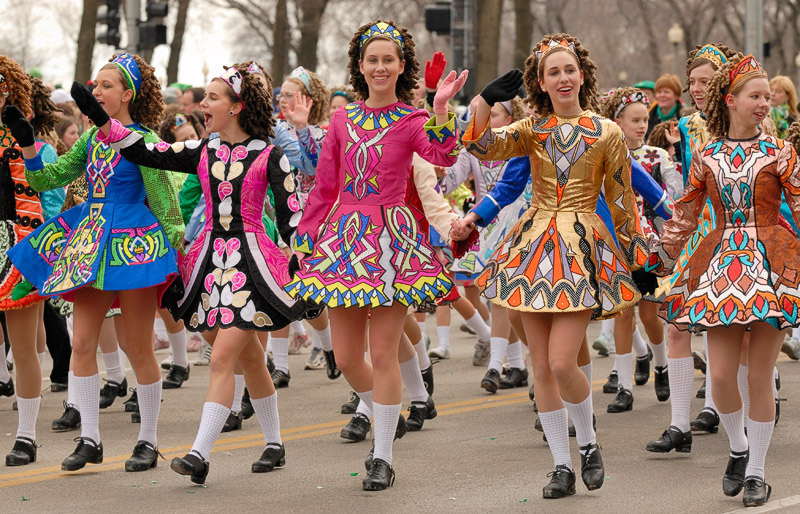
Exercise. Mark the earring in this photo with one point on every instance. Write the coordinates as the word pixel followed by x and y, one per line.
pixel 230 113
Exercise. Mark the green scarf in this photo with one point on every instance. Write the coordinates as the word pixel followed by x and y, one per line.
pixel 670 115
pixel 780 115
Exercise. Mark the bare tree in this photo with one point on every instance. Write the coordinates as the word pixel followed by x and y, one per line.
pixel 488 40
pixel 311 12
pixel 280 42
pixel 86 34
pixel 523 31
pixel 176 45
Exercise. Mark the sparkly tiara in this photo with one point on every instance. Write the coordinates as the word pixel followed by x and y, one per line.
pixel 3 86
pixel 302 75
pixel 636 96
pixel 256 69
pixel 713 54
pixel 746 66
pixel 130 70
pixel 552 44
pixel 382 29
pixel 233 78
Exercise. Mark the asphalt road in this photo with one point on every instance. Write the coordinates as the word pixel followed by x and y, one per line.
pixel 480 454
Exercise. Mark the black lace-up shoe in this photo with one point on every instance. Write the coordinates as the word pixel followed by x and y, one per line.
pixel 756 492
pixel 491 381
pixel 70 420
pixel 419 412
pixel 176 377
pixel 733 479
pixel 661 379
pixel 350 406
pixel 274 456
pixel 672 439
pixel 562 483
pixel 144 457
pixel 23 452
pixel 623 402
pixel 191 464
pixel 592 471
pixel 87 452
pixel 379 477
pixel 706 421
pixel 357 429
pixel 111 391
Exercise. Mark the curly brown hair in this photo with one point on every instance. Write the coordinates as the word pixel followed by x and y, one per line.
pixel 166 131
pixel 658 136
pixel 147 110
pixel 246 65
pixel 19 84
pixel 256 118
pixel 537 98
pixel 44 110
pixel 692 63
pixel 608 105
pixel 717 120
pixel 320 97
pixel 793 135
pixel 406 82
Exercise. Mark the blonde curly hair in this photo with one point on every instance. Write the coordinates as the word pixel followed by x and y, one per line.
pixel 717 120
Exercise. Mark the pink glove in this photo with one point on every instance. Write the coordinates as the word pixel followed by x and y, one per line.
pixel 434 70
pixel 117 132
pixel 448 90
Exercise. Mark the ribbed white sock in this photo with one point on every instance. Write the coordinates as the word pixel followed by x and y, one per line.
pixel 386 417
pixel 515 358
pixel 323 337
pixel 581 414
pixel 498 346
pixel 149 407
pixel 709 401
pixel 681 376
pixel 177 343
pixel 298 328
pixel 734 426
pixel 28 413
pixel 365 405
pixel 587 370
pixel 481 328
pixel 556 428
pixel 744 391
pixel 160 329
pixel 87 395
pixel 639 345
pixel 214 417
pixel 72 392
pixel 625 370
pixel 267 412
pixel 759 435
pixel 659 354
pixel 412 379
pixel 238 392
pixel 607 327
pixel 114 371
pixel 443 334
pixel 280 353
pixel 422 353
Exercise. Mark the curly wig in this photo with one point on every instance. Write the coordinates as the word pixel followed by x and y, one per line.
pixel 320 97
pixel 267 76
pixel 658 136
pixel 166 131
pixel 148 107
pixel 19 84
pixel 541 100
pixel 610 103
pixel 406 82
pixel 793 135
pixel 717 120
pixel 44 110
pixel 692 63
pixel 256 117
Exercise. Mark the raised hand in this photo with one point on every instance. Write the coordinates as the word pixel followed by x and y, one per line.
pixel 21 128
pixel 503 88
pixel 298 116
pixel 672 133
pixel 89 105
pixel 448 90
pixel 434 69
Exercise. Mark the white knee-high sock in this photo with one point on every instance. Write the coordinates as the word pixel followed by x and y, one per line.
pixel 114 371
pixel 4 374
pixel 280 353
pixel 681 375
pixel 607 328
pixel 734 426
pixel 556 428
pixel 214 417
pixel 515 358
pixel 267 412
pixel 41 359
pixel 238 392
pixel 759 435
pixel 587 370
pixel 177 344
pixel 87 394
pixel 481 328
pixel 741 380
pixel 443 334
pixel 625 370
pixel 422 353
pixel 149 408
pixel 659 354
pixel 582 414
pixel 498 346
pixel 72 392
pixel 324 338
pixel 386 417
pixel 639 345
pixel 365 405
pixel 412 379
pixel 28 413
pixel 298 328
pixel 709 401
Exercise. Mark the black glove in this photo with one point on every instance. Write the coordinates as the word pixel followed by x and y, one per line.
pixel 646 281
pixel 89 105
pixel 503 88
pixel 21 128
pixel 294 266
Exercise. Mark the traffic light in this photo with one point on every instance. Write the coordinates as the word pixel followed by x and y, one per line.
pixel 153 32
pixel 437 18
pixel 108 14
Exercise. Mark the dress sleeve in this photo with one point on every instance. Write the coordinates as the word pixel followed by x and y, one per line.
pixel 438 212
pixel 644 184
pixel 149 152
pixel 435 143
pixel 325 192
pixel 287 207
pixel 189 196
pixel 499 144
pixel 678 230
pixel 620 197
pixel 456 174
pixel 51 200
pixel 292 149
pixel 505 192
pixel 789 175
pixel 671 176
pixel 311 143
pixel 68 167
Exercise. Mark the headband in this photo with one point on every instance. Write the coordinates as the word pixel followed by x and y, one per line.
pixel 233 78
pixel 748 65
pixel 636 96
pixel 180 119
pixel 713 54
pixel 3 86
pixel 341 93
pixel 381 29
pixel 130 70
pixel 302 75
pixel 508 105
pixel 552 44
pixel 255 68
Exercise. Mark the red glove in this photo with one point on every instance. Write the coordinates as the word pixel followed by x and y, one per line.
pixel 434 70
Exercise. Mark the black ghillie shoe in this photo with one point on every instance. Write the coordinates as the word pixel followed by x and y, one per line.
pixel 191 464
pixel 379 477
pixel 23 452
pixel 562 483
pixel 274 456
pixel 87 452
pixel 672 439
pixel 144 457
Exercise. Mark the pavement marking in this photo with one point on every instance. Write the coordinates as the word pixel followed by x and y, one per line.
pixel 789 501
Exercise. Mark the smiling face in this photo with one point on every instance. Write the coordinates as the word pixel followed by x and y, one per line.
pixel 110 91
pixel 698 82
pixel 561 79
pixel 750 105
pixel 381 65
pixel 666 99
pixel 217 106
pixel 633 122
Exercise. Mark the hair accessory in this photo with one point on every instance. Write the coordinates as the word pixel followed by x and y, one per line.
pixel 746 66
pixel 713 54
pixel 302 75
pixel 636 96
pixel 341 93
pixel 382 29
pixel 180 119
pixel 130 70
pixel 508 105
pixel 552 44
pixel 255 69
pixel 3 86
pixel 233 78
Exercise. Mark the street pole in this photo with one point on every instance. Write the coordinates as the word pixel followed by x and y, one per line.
pixel 133 10
pixel 754 28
